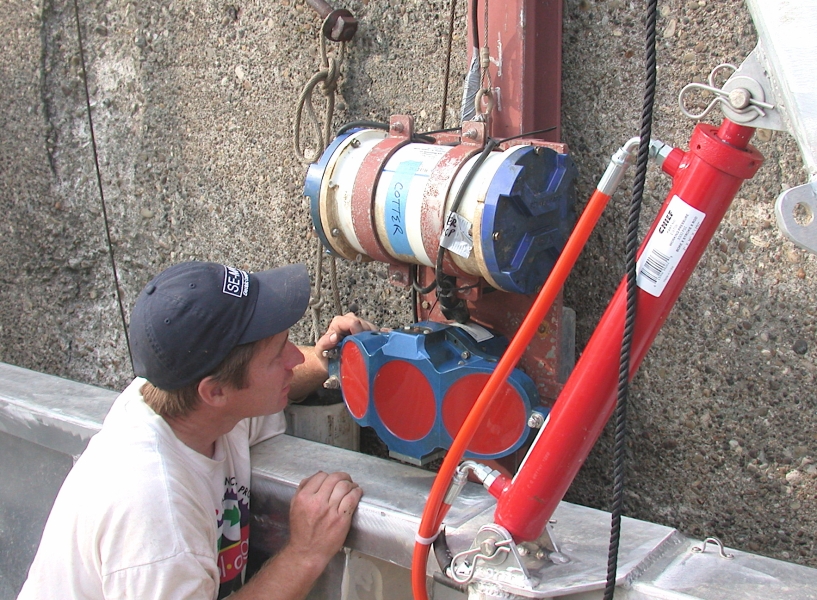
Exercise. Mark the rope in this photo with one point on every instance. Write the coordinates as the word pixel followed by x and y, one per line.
pixel 486 91
pixel 629 324
pixel 448 62
pixel 471 84
pixel 316 300
pixel 327 75
pixel 99 185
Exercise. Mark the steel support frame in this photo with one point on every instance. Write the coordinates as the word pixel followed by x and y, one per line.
pixel 525 41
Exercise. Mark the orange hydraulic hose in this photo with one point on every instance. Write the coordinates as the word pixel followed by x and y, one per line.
pixel 434 510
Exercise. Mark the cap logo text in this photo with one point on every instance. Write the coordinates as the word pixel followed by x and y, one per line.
pixel 236 282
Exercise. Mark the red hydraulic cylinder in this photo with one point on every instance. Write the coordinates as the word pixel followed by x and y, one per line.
pixel 705 180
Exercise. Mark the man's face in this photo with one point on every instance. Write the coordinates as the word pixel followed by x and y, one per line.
pixel 269 375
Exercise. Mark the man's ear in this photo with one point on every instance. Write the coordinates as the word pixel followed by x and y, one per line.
pixel 212 392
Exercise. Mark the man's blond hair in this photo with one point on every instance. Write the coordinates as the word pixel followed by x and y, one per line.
pixel 232 371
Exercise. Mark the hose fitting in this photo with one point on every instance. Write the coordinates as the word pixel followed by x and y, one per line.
pixel 626 156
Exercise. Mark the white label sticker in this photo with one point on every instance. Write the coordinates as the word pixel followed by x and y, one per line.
pixel 667 246
pixel 478 332
pixel 457 235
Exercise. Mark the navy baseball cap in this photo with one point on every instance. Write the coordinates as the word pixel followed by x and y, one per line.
pixel 190 316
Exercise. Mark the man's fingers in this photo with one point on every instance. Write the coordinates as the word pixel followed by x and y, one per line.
pixel 349 502
pixel 312 484
pixel 349 324
pixel 329 482
pixel 340 490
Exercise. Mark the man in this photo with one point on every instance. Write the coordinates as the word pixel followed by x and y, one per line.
pixel 157 507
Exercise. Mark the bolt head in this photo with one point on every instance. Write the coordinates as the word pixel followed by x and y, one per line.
pixel 488 547
pixel 536 420
pixel 739 98
pixel 495 236
pixel 397 126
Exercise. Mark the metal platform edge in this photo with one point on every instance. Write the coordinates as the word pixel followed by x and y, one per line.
pixel 655 561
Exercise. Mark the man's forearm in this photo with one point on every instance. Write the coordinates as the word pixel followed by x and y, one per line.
pixel 308 376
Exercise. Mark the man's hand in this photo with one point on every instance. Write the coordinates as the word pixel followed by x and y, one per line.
pixel 321 513
pixel 314 370
pixel 340 327
pixel 319 519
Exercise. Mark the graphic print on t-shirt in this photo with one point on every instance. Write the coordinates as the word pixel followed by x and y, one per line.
pixel 234 536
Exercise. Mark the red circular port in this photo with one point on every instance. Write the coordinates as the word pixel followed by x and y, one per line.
pixel 354 380
pixel 502 426
pixel 404 400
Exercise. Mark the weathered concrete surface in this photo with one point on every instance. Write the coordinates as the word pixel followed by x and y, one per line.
pixel 192 106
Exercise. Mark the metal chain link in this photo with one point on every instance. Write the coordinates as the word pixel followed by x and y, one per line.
pixel 328 76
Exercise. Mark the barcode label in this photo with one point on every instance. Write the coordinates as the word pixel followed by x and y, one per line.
pixel 655 266
pixel 667 245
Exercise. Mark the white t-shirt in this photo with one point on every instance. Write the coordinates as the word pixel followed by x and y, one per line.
pixel 143 516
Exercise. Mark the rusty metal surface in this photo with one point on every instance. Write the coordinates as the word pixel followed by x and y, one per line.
pixel 435 196
pixel 339 25
pixel 402 128
pixel 525 39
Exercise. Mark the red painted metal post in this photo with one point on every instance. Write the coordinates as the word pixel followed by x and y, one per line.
pixel 525 40
pixel 705 181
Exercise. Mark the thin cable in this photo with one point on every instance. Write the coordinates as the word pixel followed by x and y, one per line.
pixel 620 415
pixel 435 131
pixel 489 146
pixel 470 86
pixel 99 185
pixel 474 25
pixel 526 134
pixel 452 15
pixel 363 125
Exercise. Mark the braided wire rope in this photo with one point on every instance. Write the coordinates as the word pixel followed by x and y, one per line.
pixel 620 414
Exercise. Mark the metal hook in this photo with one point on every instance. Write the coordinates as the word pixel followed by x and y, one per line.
pixel 489 102
pixel 718 543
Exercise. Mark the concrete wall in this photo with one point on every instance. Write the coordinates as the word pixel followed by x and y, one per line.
pixel 192 105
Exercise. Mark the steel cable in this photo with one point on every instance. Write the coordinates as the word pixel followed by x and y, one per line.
pixel 99 185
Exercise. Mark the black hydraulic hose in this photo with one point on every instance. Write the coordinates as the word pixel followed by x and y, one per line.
pixel 486 152
pixel 620 414
pixel 444 287
pixel 441 551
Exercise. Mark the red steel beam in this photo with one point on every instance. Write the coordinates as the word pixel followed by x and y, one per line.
pixel 525 40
